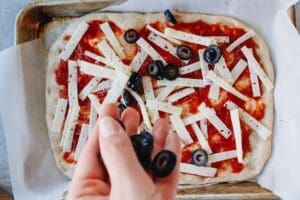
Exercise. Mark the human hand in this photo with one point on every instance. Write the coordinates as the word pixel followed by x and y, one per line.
pixel 125 178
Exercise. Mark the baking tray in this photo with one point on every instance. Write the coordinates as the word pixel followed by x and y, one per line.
pixel 34 19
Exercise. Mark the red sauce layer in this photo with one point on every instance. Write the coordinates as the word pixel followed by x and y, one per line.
pixel 191 103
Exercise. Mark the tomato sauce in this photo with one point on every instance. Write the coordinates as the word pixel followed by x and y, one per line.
pixel 191 103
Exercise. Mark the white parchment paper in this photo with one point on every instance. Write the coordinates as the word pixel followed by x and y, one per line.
pixel 22 103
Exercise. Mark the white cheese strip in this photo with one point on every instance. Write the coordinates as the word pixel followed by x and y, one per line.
pixel 223 70
pixel 82 140
pixel 220 39
pixel 189 68
pixel 254 82
pixel 148 88
pixel 258 127
pixel 180 94
pixel 240 40
pixel 73 42
pixel 111 37
pixel 164 93
pixel 225 155
pixel 201 138
pixel 252 62
pixel 111 57
pixel 223 84
pixel 88 88
pixel 235 120
pixel 210 115
pixel 72 83
pixel 163 44
pixel 189 37
pixel 119 83
pixel 203 127
pixel 180 129
pixel 165 107
pixel 193 118
pixel 95 70
pixel 204 67
pixel 68 139
pixel 95 103
pixel 149 95
pixel 104 85
pixel 182 82
pixel 158 90
pixel 60 112
pixel 238 70
pixel 65 127
pixel 92 117
pixel 140 102
pixel 96 57
pixel 138 60
pixel 214 91
pixel 156 32
pixel 150 50
pixel 197 170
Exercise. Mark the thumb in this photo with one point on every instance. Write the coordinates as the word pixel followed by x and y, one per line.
pixel 118 155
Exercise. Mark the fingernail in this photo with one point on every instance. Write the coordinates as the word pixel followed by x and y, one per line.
pixel 108 126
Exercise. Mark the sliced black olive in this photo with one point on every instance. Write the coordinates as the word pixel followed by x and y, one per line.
pixel 135 82
pixel 127 98
pixel 212 54
pixel 156 69
pixel 143 144
pixel 199 157
pixel 147 141
pixel 122 107
pixel 171 72
pixel 163 163
pixel 170 17
pixel 184 52
pixel 131 36
pixel 146 162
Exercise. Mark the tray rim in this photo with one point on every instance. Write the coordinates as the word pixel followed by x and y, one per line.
pixel 23 11
pixel 34 5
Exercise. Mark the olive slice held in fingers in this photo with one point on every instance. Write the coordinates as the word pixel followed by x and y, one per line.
pixel 156 69
pixel 171 72
pixel 184 52
pixel 131 36
pixel 212 54
pixel 163 163
pixel 145 142
pixel 135 82
pixel 143 145
pixel 170 17
pixel 122 107
pixel 127 98
pixel 199 157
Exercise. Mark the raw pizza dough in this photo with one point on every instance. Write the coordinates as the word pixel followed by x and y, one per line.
pixel 261 149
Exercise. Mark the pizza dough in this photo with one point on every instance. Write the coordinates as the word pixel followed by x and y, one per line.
pixel 260 149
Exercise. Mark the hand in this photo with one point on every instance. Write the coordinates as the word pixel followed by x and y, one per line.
pixel 122 177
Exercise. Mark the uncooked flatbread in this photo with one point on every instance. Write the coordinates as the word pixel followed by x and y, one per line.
pixel 261 149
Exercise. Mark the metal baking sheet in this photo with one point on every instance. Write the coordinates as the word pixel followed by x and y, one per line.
pixel 48 19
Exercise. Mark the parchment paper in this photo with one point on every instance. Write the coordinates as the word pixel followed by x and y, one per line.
pixel 22 103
